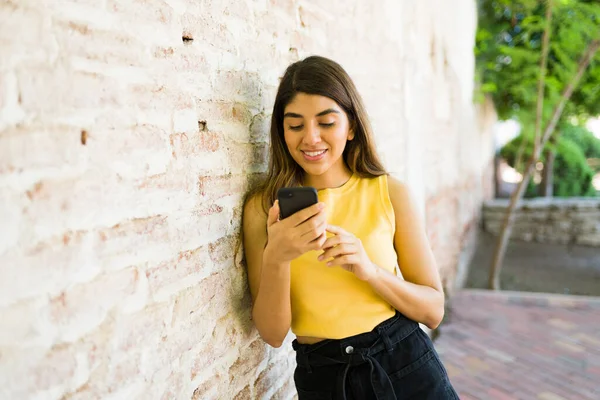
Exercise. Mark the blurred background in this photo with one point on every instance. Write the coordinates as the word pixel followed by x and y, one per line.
pixel 130 131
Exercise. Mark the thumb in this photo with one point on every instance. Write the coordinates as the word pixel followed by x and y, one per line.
pixel 273 214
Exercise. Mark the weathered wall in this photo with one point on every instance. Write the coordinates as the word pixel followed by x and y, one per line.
pixel 549 220
pixel 129 130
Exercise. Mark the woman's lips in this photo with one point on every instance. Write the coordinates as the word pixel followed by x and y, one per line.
pixel 313 155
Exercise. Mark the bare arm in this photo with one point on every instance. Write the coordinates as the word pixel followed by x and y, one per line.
pixel 269 282
pixel 419 295
pixel 270 246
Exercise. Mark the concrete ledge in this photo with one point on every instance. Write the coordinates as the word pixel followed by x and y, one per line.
pixel 564 299
pixel 549 220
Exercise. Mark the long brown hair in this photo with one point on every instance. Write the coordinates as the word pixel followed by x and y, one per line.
pixel 318 76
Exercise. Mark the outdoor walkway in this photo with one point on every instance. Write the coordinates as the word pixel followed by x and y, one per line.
pixel 515 345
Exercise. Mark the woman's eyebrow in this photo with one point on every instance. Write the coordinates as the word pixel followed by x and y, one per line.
pixel 292 115
pixel 324 112
pixel 328 111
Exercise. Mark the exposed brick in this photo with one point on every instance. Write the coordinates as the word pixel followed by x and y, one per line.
pixel 105 46
pixel 195 299
pixel 82 308
pixel 194 143
pixel 215 187
pixel 268 379
pixel 80 203
pixel 243 394
pixel 130 132
pixel 150 323
pixel 171 276
pixel 69 253
pixel 249 358
pixel 287 389
pixel 82 90
pixel 153 11
pixel 223 340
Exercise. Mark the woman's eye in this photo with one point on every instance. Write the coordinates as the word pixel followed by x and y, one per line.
pixel 328 125
pixel 296 128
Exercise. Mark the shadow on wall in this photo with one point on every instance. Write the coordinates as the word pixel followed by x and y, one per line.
pixel 244 143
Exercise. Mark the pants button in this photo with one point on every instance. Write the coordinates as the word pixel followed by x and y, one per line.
pixel 349 350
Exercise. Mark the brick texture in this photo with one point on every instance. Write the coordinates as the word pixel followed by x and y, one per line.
pixel 130 131
pixel 522 346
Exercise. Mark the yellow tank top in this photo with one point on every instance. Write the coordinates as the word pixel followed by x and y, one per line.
pixel 330 302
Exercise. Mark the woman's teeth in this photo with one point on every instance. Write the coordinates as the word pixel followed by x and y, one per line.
pixel 314 153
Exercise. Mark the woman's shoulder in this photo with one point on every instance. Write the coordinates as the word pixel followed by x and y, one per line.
pixel 401 196
pixel 254 205
pixel 396 186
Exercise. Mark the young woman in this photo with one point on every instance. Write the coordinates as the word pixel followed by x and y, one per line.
pixel 328 272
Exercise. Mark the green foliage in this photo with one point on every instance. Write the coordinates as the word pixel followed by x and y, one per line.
pixel 572 173
pixel 508 51
pixel 587 142
pixel 573 176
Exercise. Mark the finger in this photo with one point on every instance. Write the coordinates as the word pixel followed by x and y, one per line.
pixel 314 222
pixel 273 214
pixel 342 249
pixel 306 213
pixel 315 230
pixel 336 230
pixel 317 244
pixel 337 240
pixel 343 260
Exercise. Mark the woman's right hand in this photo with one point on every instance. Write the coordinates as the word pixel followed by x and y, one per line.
pixel 295 235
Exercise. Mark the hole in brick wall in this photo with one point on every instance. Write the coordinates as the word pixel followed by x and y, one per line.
pixel 187 38
pixel 84 136
pixel 202 125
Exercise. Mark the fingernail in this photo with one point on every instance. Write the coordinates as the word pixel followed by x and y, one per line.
pixel 321 206
pixel 320 258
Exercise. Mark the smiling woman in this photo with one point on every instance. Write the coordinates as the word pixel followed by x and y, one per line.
pixel 316 131
pixel 328 272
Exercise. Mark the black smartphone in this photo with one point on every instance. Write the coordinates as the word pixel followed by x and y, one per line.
pixel 294 199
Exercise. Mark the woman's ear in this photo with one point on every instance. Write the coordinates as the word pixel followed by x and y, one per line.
pixel 351 134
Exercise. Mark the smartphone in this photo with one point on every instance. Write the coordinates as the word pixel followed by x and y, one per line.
pixel 294 199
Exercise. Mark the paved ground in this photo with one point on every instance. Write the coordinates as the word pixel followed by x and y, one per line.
pixel 536 267
pixel 514 345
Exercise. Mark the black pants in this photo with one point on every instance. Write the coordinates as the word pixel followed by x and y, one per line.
pixel 394 361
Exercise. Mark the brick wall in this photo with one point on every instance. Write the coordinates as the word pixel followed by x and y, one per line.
pixel 129 132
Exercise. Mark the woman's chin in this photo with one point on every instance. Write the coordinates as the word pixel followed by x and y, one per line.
pixel 314 170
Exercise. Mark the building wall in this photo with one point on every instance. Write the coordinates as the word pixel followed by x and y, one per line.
pixel 130 131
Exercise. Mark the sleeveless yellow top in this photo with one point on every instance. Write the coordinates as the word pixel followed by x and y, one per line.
pixel 330 302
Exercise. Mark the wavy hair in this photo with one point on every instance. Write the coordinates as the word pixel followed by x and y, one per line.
pixel 317 75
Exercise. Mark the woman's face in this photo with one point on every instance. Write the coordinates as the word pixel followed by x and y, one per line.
pixel 316 130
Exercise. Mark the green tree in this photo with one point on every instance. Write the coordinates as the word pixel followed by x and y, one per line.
pixel 572 172
pixel 533 59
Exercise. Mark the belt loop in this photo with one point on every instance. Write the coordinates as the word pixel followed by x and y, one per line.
pixel 302 357
pixel 386 339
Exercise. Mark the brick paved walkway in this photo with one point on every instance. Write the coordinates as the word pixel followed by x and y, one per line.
pixel 515 345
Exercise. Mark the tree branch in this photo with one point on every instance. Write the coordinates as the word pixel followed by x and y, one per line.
pixel 500 251
pixel 542 80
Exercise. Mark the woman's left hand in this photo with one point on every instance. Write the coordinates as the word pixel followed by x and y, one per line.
pixel 348 252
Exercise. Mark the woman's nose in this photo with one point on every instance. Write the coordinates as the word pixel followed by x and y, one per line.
pixel 312 135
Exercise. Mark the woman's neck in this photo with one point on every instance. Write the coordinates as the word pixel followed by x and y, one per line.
pixel 328 180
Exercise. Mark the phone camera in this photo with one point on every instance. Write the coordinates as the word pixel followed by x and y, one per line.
pixel 290 194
